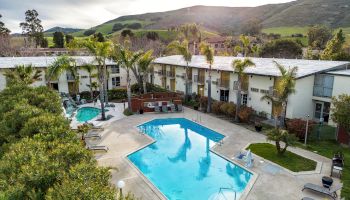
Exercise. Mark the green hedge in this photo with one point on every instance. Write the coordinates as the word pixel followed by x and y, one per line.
pixel 117 94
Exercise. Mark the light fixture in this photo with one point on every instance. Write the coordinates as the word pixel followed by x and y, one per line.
pixel 120 185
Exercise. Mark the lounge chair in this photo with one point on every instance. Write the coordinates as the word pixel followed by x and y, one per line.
pixel 307 198
pixel 332 192
pixel 172 108
pixel 94 127
pixel 164 108
pixel 93 134
pixel 97 147
pixel 157 109
pixel 179 107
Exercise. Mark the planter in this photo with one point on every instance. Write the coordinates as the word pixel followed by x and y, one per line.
pixel 195 107
pixel 141 111
pixel 258 128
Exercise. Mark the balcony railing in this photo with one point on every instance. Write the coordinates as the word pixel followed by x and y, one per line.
pixel 224 83
pixel 162 72
pixel 198 79
pixel 70 77
pixel 320 91
pixel 170 74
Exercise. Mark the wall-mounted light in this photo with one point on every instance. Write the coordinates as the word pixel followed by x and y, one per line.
pixel 251 76
pixel 270 78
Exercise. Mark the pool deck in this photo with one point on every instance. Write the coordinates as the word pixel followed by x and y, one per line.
pixel 271 181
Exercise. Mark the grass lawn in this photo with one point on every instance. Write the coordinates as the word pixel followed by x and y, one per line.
pixel 289 160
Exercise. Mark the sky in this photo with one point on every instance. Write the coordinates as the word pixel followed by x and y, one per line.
pixel 89 13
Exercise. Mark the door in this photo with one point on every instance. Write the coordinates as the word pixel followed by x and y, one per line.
pixel 71 88
pixel 224 95
pixel 115 82
pixel 322 110
pixel 200 91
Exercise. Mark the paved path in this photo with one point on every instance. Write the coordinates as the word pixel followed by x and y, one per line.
pixel 272 182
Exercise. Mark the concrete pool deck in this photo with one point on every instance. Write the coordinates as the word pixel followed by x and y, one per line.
pixel 272 182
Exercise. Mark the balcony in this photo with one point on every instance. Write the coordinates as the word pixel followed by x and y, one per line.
pixel 199 79
pixel 244 86
pixel 70 77
pixel 162 73
pixel 224 84
pixel 321 91
pixel 170 74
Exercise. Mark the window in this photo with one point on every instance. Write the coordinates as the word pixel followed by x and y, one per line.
pixel 244 99
pixel 115 69
pixel 323 85
pixel 83 77
pixel 222 46
pixel 254 89
pixel 216 45
pixel 116 81
pixel 264 91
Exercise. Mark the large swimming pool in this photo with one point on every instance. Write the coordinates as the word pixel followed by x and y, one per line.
pixel 181 165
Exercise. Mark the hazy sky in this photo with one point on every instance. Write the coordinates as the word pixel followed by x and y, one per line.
pixel 88 13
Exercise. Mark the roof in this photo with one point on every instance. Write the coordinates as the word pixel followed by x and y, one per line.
pixel 263 66
pixel 216 39
pixel 341 72
pixel 43 61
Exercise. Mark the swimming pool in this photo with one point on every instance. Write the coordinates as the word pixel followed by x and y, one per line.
pixel 87 113
pixel 181 165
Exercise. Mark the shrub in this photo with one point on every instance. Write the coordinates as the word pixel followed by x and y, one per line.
pixel 117 27
pixel 203 102
pixel 85 95
pixel 134 26
pixel 298 127
pixel 117 94
pixel 135 88
pixel 245 113
pixel 215 107
pixel 127 112
pixel 127 32
pixel 152 35
pixel 89 32
pixel 228 109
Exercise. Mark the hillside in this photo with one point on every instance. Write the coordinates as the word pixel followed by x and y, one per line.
pixel 50 31
pixel 301 13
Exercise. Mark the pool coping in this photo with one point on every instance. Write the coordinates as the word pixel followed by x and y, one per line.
pixel 157 191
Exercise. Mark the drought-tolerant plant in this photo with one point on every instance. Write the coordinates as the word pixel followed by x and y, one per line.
pixel 117 94
pixel 280 135
pixel 245 114
pixel 298 127
pixel 215 107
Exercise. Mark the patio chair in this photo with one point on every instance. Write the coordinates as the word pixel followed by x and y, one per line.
pixel 164 108
pixel 179 107
pixel 97 147
pixel 156 109
pixel 93 134
pixel 172 108
pixel 94 127
pixel 332 192
pixel 307 198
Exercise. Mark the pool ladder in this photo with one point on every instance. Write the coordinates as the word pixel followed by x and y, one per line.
pixel 198 119
pixel 223 195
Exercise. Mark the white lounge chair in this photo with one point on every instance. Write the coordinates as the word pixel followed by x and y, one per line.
pixel 332 192
pixel 97 147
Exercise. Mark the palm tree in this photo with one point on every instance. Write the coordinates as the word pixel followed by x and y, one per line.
pixel 22 74
pixel 61 64
pixel 208 52
pixel 101 52
pixel 245 41
pixel 239 66
pixel 90 69
pixel 190 32
pixel 127 59
pixel 285 86
pixel 182 49
pixel 145 67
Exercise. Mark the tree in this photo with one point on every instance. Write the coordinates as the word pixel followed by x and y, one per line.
pixel 341 111
pixel 117 27
pixel 208 52
pixel 152 35
pixel 22 74
pixel 190 32
pixel 127 59
pixel 69 38
pixel 145 67
pixel 284 87
pixel 90 69
pixel 3 29
pixel 127 32
pixel 334 48
pixel 252 27
pixel 282 48
pixel 182 49
pixel 134 26
pixel 280 135
pixel 245 41
pixel 318 36
pixel 61 64
pixel 44 43
pixel 58 39
pixel 32 27
pixel 99 37
pixel 239 66
pixel 89 32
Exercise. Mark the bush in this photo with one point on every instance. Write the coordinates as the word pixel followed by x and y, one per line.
pixel 89 32
pixel 152 35
pixel 135 88
pixel 85 95
pixel 245 113
pixel 127 32
pixel 134 26
pixel 215 107
pixel 117 27
pixel 203 102
pixel 127 112
pixel 117 94
pixel 298 127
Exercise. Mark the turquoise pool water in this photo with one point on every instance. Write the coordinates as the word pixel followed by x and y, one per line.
pixel 181 165
pixel 87 113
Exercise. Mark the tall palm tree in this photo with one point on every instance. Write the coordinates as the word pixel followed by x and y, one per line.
pixel 239 66
pixel 190 32
pixel 101 52
pixel 208 52
pixel 285 86
pixel 145 67
pixel 182 49
pixel 90 70
pixel 61 64
pixel 22 74
pixel 126 59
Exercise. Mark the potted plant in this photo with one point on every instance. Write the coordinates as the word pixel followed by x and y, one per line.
pixel 195 105
pixel 258 127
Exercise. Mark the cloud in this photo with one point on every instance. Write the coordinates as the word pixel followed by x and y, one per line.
pixel 88 13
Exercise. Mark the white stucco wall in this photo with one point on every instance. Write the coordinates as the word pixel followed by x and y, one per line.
pixel 341 86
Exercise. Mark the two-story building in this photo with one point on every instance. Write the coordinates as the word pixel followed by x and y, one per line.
pixel 317 81
pixel 116 75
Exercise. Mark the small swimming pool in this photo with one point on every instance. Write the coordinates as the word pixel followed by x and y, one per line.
pixel 87 113
pixel 181 165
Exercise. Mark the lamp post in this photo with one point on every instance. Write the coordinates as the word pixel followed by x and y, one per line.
pixel 319 128
pixel 120 185
pixel 307 128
